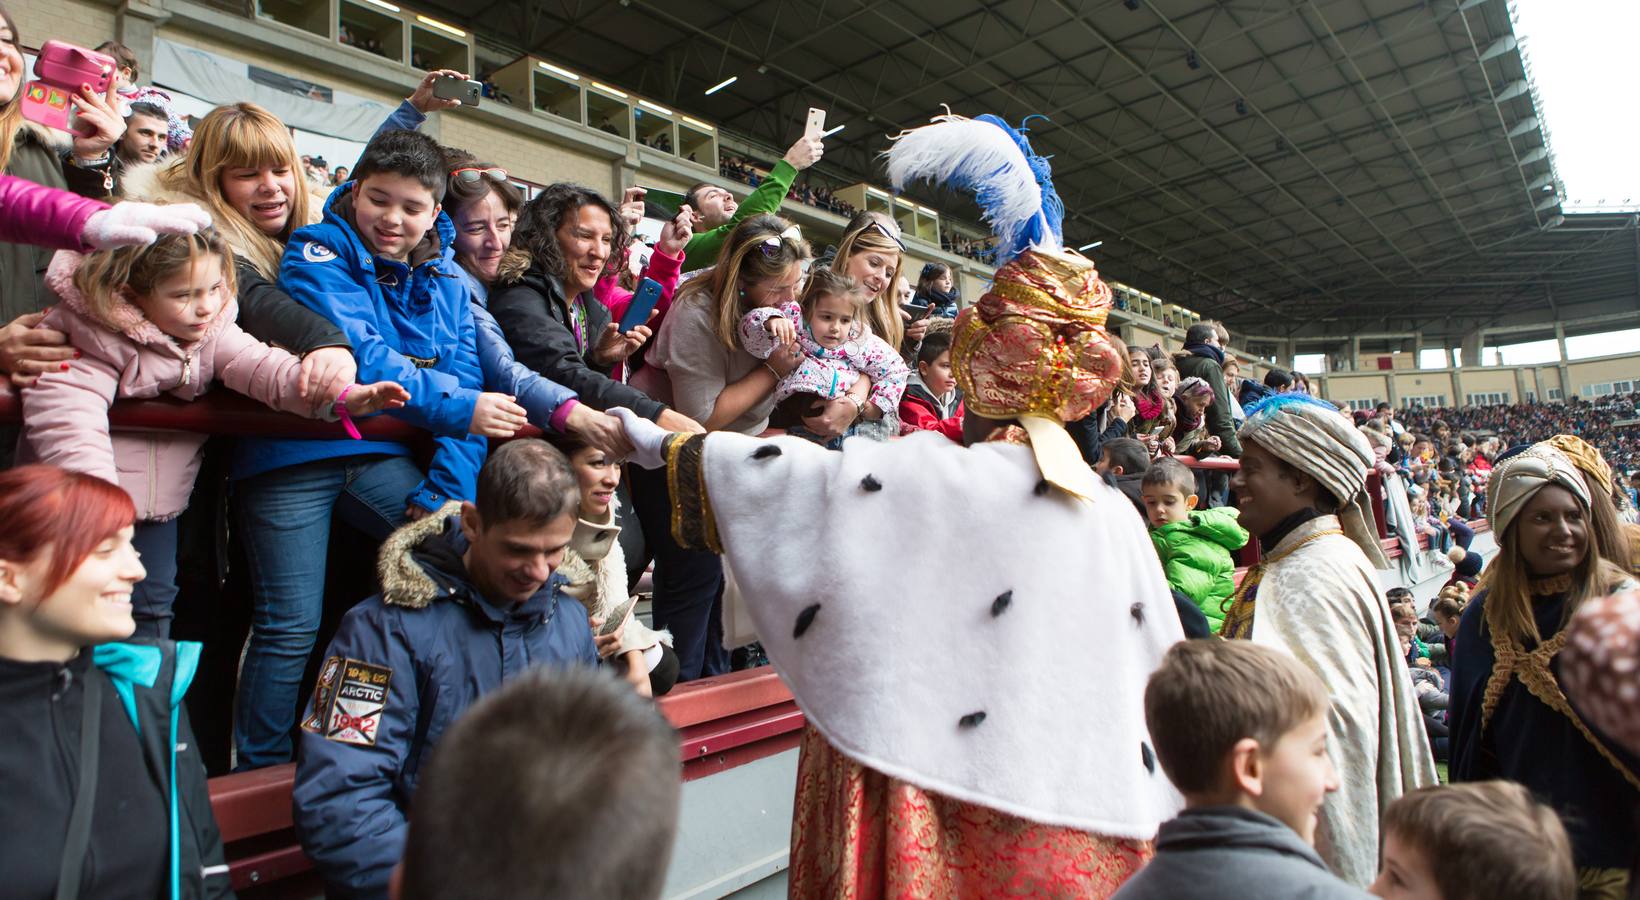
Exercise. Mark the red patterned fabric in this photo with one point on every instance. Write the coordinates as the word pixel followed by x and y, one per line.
pixel 861 835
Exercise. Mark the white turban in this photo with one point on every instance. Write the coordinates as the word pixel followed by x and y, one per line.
pixel 1517 480
pixel 1313 437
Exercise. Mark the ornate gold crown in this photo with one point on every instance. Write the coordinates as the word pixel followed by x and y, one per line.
pixel 1035 344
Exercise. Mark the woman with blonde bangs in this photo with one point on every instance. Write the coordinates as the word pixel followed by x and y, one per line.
pixel 1509 715
pixel 244 169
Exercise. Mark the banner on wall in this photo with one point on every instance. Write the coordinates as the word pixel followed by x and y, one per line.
pixel 301 104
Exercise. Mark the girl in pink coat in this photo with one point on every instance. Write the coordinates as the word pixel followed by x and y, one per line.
pixel 147 321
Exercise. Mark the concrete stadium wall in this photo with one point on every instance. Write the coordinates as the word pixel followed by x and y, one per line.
pixel 1457 384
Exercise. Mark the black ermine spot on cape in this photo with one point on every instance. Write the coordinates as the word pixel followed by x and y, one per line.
pixel 972 719
pixel 767 451
pixel 805 619
pixel 1041 489
pixel 1137 611
pixel 1146 754
pixel 1001 603
pixel 870 483
pixel 601 536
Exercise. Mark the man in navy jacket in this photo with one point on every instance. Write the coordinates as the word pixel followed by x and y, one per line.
pixel 470 600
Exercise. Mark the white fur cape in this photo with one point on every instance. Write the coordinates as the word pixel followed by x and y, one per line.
pixel 945 618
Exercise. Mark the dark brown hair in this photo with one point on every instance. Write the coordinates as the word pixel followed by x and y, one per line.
pixel 535 237
pixel 526 480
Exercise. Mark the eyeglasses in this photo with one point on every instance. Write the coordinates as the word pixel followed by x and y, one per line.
pixel 878 227
pixel 472 176
pixel 770 246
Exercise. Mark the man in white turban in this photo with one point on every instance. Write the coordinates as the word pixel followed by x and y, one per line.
pixel 1301 490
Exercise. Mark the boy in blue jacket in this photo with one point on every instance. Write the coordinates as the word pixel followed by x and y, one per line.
pixel 381 266
pixel 470 599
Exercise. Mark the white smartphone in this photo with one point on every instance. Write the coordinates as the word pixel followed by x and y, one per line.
pixel 817 124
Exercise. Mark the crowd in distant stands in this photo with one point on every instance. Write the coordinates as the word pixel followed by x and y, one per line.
pixel 742 170
pixel 981 249
pixel 1596 421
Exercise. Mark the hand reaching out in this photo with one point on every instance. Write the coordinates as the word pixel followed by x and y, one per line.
pixel 326 371
pixel 497 416
pixel 369 399
pixel 599 429
pixel 27 352
pixel 632 206
pixel 135 224
pixel 675 234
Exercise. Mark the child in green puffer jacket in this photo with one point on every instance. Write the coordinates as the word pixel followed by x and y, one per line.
pixel 1194 545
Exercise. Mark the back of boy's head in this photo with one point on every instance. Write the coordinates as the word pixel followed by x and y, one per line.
pixel 1171 473
pixel 1448 606
pixel 823 282
pixel 1130 454
pixel 1486 840
pixel 410 154
pixel 1208 695
pixel 935 344
pixel 524 794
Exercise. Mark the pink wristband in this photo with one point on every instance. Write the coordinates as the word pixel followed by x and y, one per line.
pixel 347 419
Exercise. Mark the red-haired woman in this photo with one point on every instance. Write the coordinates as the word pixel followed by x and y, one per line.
pixel 104 791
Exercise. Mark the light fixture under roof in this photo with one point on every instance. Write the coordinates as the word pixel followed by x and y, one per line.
pixel 690 120
pixel 565 73
pixel 828 133
pixel 384 5
pixel 434 23
pixel 1086 247
pixel 609 90
pixel 656 107
pixel 722 84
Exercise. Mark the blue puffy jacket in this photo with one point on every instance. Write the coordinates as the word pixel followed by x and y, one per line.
pixel 402 667
pixel 540 396
pixel 409 323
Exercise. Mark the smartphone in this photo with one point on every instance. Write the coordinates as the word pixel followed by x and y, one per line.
pixel 643 303
pixel 817 124
pixel 618 617
pixel 662 204
pixel 447 88
pixel 918 308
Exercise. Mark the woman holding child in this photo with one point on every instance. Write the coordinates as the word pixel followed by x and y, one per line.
pixel 1509 715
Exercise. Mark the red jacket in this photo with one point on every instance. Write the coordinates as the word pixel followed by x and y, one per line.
pixel 919 412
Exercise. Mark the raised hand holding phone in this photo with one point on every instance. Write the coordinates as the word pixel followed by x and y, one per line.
pixel 675 234
pixel 632 206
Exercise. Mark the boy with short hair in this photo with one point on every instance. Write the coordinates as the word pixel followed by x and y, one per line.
pixel 1194 545
pixel 1484 840
pixel 1241 730
pixel 932 401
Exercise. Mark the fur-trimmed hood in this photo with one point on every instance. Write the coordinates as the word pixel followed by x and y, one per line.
pixel 405 579
pixel 125 318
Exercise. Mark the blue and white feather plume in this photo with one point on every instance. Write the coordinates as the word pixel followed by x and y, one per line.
pixel 1012 185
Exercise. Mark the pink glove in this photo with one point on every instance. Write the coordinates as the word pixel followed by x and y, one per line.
pixel 134 224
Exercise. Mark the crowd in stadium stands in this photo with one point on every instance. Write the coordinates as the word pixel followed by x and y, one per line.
pixel 417 282
pixel 742 170
pixel 981 250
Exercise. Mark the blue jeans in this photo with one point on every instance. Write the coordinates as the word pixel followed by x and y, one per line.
pixel 154 595
pixel 284 522
pixel 688 596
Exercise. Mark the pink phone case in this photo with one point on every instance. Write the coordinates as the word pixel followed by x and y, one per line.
pixel 59 71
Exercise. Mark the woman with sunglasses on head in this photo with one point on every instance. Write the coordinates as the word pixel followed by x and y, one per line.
pixel 567 239
pixel 697 363
pixel 870 253
pixel 105 793
pixel 483 205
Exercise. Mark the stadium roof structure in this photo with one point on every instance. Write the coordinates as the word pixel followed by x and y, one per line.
pixel 1299 168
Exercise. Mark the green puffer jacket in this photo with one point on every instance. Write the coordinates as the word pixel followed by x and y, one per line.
pixel 1195 555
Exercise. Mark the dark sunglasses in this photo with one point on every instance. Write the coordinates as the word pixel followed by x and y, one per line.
pixel 472 176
